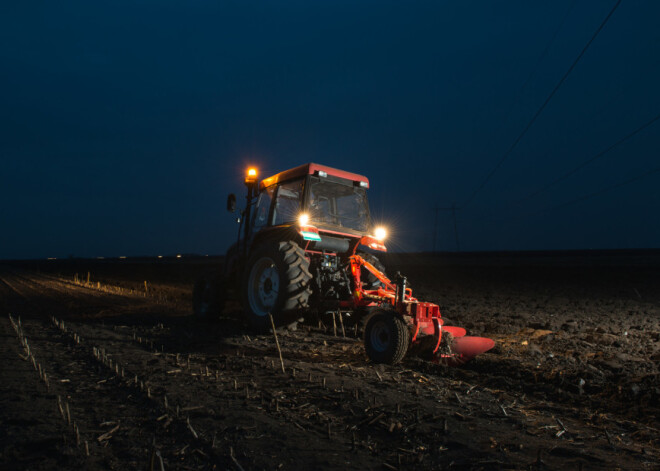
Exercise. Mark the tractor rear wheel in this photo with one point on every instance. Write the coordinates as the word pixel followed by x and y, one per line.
pixel 208 297
pixel 277 281
pixel 386 337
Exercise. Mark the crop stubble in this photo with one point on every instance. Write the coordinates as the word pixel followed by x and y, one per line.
pixel 148 384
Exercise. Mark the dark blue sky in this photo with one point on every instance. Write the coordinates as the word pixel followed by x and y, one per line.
pixel 123 125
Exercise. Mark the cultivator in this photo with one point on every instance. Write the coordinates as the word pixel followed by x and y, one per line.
pixel 429 337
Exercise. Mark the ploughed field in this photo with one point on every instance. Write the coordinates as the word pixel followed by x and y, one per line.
pixel 100 370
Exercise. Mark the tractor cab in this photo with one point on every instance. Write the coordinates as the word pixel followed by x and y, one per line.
pixel 318 195
pixel 327 207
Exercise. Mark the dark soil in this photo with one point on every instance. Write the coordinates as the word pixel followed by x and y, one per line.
pixel 572 383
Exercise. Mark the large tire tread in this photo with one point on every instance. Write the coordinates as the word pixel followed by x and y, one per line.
pixel 295 281
pixel 399 334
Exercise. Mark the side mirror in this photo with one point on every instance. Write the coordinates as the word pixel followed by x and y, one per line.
pixel 231 203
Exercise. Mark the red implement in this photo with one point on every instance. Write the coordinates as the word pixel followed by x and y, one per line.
pixel 466 348
pixel 454 331
pixel 423 318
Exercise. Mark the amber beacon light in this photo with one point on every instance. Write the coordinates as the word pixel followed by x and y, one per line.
pixel 251 176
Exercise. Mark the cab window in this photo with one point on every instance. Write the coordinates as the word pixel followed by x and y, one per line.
pixel 287 204
pixel 338 204
pixel 262 208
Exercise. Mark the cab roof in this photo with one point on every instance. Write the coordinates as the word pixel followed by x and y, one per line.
pixel 311 169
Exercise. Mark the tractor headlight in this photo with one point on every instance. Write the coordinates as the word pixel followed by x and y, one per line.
pixel 303 219
pixel 380 233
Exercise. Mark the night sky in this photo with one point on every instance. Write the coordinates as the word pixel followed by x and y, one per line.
pixel 124 125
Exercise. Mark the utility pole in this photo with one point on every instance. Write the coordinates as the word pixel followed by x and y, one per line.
pixel 435 227
pixel 453 209
pixel 453 213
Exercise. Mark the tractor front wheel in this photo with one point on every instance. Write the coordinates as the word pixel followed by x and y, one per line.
pixel 386 337
pixel 276 281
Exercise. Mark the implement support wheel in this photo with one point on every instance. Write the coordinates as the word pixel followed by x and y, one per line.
pixel 386 337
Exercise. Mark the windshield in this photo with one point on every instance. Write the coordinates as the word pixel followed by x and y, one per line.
pixel 338 205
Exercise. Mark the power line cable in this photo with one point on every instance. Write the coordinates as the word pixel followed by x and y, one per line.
pixel 634 79
pixel 587 162
pixel 597 193
pixel 531 75
pixel 576 200
pixel 539 61
pixel 540 110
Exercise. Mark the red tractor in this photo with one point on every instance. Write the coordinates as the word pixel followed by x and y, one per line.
pixel 301 249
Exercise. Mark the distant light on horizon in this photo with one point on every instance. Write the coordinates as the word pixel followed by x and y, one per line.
pixel 52 258
pixel 160 256
pixel 122 257
pixel 178 256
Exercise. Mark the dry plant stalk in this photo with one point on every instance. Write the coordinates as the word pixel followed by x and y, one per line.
pixel 334 323
pixel 277 342
pixel 160 460
pixel 192 430
pixel 108 434
pixel 59 406
pixel 233 458
pixel 341 322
